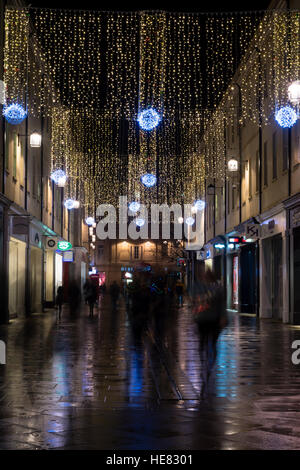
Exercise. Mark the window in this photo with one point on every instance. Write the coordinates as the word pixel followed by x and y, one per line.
pixel 136 253
pixel 266 164
pixel 257 171
pixel 232 197
pixel 274 140
pixel 285 138
pixel 15 155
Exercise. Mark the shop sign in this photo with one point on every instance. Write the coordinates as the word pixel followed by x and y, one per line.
pixel 252 231
pixel 50 243
pixel 64 246
pixel 35 237
pixel 20 225
pixel 68 256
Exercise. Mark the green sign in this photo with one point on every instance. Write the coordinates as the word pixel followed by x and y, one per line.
pixel 64 246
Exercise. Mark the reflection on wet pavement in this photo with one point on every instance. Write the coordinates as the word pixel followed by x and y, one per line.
pixel 111 383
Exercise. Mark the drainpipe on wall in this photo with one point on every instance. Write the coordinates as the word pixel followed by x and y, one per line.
pixel 260 129
pixel 240 150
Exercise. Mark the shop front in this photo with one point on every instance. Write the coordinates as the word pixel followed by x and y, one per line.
pixel 16 277
pixel 4 257
pixel 249 278
pixel 232 279
pixel 293 214
pixel 36 268
pixel 273 259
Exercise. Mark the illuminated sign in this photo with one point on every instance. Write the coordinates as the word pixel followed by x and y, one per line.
pixel 233 240
pixel 68 256
pixel 64 246
pixel 219 246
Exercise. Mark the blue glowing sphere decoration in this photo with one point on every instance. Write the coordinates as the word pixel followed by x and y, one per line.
pixel 69 204
pixel 14 113
pixel 189 221
pixel 89 220
pixel 148 119
pixel 59 177
pixel 134 206
pixel 140 222
pixel 148 180
pixel 199 204
pixel 286 116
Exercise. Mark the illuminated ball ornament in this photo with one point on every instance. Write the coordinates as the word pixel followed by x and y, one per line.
pixel 69 204
pixel 14 113
pixel 140 222
pixel 148 180
pixel 148 119
pixel 199 204
pixel 89 220
pixel 286 116
pixel 189 221
pixel 134 206
pixel 59 177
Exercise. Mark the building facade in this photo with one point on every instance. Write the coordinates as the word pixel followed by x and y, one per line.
pixel 254 211
pixel 31 213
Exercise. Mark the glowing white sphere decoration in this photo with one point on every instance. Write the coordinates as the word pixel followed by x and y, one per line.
pixel 59 177
pixel 199 204
pixel 148 119
pixel 286 116
pixel 89 220
pixel 140 222
pixel 69 204
pixel 190 221
pixel 148 180
pixel 76 204
pixel 180 220
pixel 134 206
pixel 294 92
pixel 14 113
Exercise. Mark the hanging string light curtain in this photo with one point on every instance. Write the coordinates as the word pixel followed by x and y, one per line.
pixel 92 73
pixel 16 55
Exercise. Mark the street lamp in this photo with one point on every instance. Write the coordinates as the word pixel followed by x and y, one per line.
pixel 35 140
pixel 233 165
pixel 294 92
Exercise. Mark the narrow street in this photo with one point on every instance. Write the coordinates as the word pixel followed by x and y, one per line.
pixel 104 383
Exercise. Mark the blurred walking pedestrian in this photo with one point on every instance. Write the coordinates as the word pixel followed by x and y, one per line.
pixel 91 297
pixel 59 300
pixel 114 292
pixel 74 296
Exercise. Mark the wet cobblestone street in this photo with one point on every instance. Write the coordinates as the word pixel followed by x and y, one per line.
pixel 82 383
